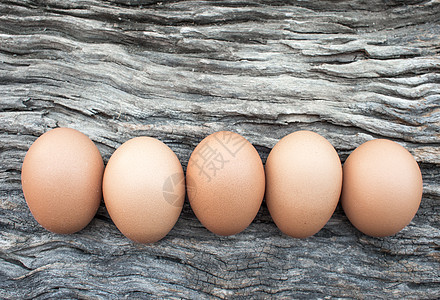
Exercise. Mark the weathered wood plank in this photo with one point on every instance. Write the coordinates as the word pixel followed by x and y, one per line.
pixel 179 70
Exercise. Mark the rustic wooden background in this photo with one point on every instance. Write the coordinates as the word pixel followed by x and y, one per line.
pixel 180 70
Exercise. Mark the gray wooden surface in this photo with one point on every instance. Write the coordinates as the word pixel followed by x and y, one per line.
pixel 180 70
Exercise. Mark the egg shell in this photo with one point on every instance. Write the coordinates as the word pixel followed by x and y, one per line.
pixel 303 183
pixel 61 178
pixel 225 182
pixel 382 188
pixel 144 189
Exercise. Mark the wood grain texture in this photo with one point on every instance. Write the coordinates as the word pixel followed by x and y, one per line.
pixel 180 70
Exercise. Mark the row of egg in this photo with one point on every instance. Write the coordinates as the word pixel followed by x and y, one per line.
pixel 143 184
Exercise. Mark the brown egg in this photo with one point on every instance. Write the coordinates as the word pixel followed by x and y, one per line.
pixel 303 183
pixel 61 178
pixel 225 182
pixel 144 189
pixel 382 188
